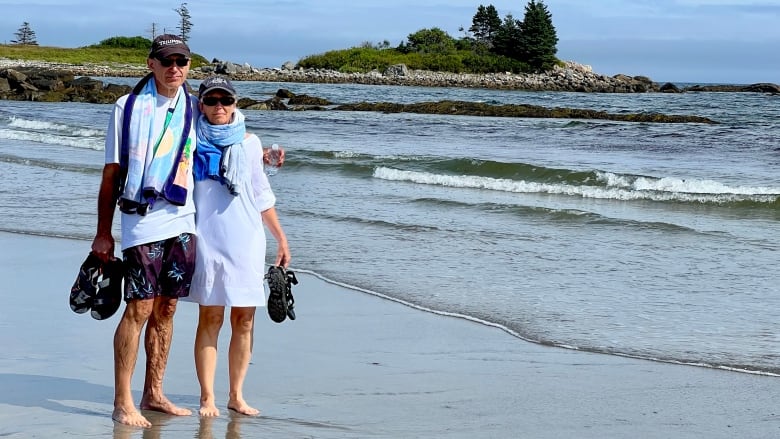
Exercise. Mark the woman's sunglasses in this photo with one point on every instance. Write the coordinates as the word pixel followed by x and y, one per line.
pixel 224 100
pixel 167 62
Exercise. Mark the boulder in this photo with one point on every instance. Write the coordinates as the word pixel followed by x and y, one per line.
pixel 397 70
pixel 763 87
pixel 669 88
pixel 283 93
pixel 303 99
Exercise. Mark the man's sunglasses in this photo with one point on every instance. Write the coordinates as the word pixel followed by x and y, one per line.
pixel 211 101
pixel 167 62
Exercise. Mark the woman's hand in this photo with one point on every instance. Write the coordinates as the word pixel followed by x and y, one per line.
pixel 268 159
pixel 283 254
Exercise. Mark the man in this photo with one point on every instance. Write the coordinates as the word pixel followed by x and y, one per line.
pixel 149 150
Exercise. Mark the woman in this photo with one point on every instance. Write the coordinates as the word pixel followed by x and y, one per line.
pixel 233 201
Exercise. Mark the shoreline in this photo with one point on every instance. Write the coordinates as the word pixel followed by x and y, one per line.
pixel 572 77
pixel 352 365
pixel 57 83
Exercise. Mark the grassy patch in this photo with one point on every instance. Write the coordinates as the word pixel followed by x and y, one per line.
pixel 83 55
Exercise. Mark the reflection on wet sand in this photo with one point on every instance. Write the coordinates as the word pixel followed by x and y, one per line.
pixel 160 422
pixel 233 430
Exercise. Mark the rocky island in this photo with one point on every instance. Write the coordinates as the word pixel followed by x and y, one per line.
pixel 52 82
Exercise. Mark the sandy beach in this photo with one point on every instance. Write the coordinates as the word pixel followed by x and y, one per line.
pixel 351 365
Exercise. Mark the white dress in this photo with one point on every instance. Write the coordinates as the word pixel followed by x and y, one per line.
pixel 230 261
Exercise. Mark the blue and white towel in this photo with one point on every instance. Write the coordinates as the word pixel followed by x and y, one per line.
pixel 158 165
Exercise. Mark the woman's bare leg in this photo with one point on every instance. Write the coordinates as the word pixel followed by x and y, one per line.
pixel 209 323
pixel 242 321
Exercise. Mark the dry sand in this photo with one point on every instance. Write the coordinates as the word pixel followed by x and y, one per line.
pixel 351 366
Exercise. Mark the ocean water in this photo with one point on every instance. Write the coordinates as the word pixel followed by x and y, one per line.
pixel 655 241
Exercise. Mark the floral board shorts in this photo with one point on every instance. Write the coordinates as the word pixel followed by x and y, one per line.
pixel 162 268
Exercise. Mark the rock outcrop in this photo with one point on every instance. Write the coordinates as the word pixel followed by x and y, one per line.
pixel 482 109
pixel 571 76
pixel 38 84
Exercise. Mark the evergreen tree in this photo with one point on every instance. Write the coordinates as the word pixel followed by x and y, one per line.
pixel 485 24
pixel 154 30
pixel 538 39
pixel 506 42
pixel 25 36
pixel 185 23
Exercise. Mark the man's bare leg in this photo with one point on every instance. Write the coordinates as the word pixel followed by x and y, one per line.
pixel 159 332
pixel 210 321
pixel 126 341
pixel 242 321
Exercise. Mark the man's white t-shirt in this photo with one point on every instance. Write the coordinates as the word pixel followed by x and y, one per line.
pixel 164 220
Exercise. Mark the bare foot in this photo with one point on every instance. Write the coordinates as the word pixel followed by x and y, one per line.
pixel 130 417
pixel 164 405
pixel 240 406
pixel 208 409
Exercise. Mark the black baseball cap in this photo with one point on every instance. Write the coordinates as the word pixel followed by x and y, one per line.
pixel 216 83
pixel 166 45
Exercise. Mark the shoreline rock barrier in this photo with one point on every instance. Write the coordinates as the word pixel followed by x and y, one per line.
pixel 45 85
pixel 571 77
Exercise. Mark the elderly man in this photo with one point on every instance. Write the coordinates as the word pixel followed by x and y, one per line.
pixel 148 173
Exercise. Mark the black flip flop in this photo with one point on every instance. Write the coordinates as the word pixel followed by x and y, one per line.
pixel 109 294
pixel 98 287
pixel 84 289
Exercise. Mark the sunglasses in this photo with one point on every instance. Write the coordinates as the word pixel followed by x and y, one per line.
pixel 224 100
pixel 167 62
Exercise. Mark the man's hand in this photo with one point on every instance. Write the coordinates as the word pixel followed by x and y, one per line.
pixel 103 247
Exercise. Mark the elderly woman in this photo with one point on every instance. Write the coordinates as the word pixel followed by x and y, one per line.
pixel 232 206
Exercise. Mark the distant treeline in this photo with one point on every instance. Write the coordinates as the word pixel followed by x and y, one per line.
pixel 489 45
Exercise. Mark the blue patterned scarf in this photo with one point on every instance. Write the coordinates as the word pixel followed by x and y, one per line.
pixel 218 154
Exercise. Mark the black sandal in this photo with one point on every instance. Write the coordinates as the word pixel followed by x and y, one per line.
pixel 280 298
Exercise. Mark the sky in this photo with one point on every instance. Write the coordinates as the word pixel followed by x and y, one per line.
pixel 682 41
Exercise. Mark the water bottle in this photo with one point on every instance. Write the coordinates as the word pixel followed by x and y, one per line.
pixel 272 167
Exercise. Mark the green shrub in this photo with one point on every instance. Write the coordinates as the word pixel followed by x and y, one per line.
pixel 364 59
pixel 125 43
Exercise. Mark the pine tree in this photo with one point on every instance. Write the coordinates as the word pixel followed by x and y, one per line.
pixel 25 36
pixel 506 42
pixel 538 39
pixel 154 30
pixel 185 23
pixel 485 24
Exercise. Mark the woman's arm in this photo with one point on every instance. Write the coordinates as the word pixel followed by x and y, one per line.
pixel 271 221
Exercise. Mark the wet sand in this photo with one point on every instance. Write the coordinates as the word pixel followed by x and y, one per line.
pixel 351 365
